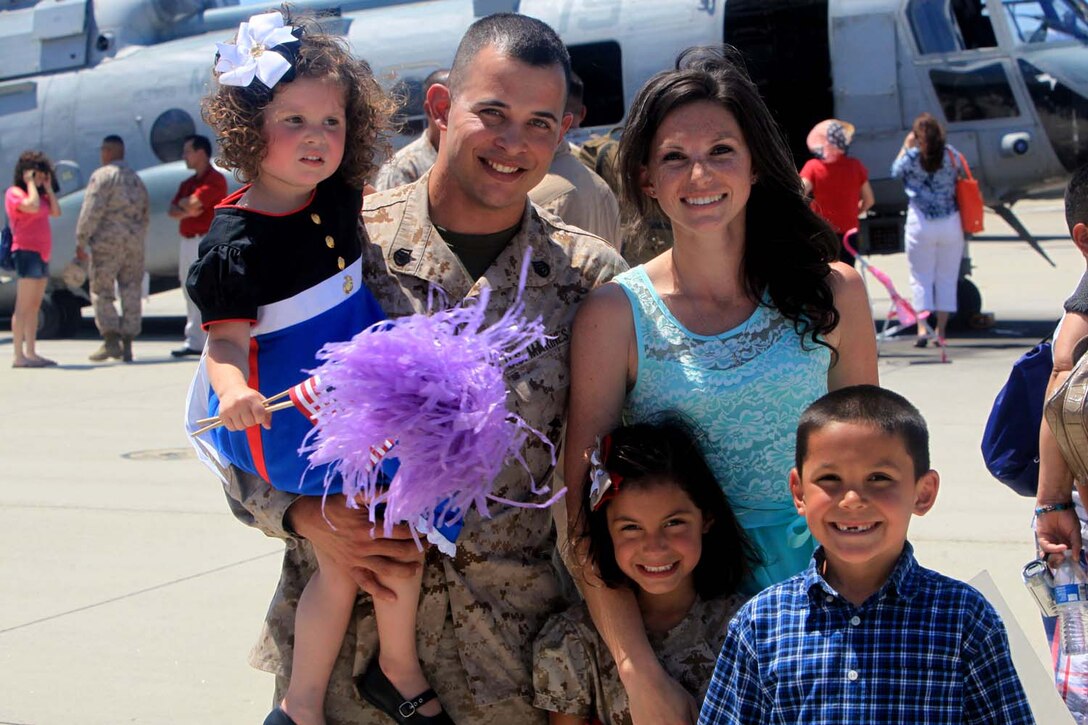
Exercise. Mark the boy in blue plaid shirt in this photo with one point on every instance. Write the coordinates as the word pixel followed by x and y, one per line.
pixel 865 635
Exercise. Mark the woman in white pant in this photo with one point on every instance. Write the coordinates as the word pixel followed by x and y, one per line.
pixel 928 168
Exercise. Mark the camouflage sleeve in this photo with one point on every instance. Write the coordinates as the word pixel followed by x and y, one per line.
pixel 562 669
pixel 255 503
pixel 390 176
pixel 94 206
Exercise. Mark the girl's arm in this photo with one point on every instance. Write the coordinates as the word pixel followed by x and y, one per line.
pixel 54 207
pixel 855 336
pixel 32 201
pixel 228 370
pixel 603 352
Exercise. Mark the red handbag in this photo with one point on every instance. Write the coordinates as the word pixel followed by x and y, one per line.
pixel 968 197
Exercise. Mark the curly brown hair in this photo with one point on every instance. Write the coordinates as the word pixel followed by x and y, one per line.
pixel 31 160
pixel 237 114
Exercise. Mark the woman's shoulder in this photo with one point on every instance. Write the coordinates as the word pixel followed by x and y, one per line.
pixel 15 194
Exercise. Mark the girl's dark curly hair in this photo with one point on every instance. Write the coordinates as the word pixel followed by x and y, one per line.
pixel 658 452
pixel 237 114
pixel 35 160
pixel 788 247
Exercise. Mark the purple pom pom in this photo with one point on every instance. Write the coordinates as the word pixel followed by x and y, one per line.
pixel 434 384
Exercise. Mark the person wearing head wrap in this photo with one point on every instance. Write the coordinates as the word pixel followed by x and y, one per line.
pixel 837 183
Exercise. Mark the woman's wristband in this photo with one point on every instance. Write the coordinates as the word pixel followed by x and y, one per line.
pixel 1047 508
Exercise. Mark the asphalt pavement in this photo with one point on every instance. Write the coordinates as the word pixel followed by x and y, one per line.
pixel 131 595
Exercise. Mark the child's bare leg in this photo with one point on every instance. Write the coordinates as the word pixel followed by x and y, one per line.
pixel 324 610
pixel 397 654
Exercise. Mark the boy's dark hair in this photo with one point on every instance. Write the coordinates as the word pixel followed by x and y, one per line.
pixel 237 113
pixel 35 160
pixel 653 453
pixel 200 143
pixel 868 405
pixel 518 37
pixel 1076 198
pixel 115 140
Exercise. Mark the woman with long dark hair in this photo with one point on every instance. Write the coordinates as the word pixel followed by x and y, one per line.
pixel 928 167
pixel 742 324
pixel 29 203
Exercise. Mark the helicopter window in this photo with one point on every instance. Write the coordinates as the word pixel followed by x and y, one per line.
pixel 1047 21
pixel 168 134
pixel 949 26
pixel 973 19
pixel 598 65
pixel 974 95
pixel 1063 112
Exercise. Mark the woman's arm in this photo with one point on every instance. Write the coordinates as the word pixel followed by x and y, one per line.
pixel 867 198
pixel 1058 530
pixel 228 370
pixel 31 200
pixel 54 207
pixel 603 356
pixel 855 336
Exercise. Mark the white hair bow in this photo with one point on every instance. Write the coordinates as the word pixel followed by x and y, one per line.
pixel 252 55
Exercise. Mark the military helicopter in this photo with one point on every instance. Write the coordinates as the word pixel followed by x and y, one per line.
pixel 1009 78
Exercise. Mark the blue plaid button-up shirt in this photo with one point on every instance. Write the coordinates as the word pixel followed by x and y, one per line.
pixel 925 649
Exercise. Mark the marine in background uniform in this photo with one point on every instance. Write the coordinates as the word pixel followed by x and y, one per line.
pixel 412 161
pixel 113 226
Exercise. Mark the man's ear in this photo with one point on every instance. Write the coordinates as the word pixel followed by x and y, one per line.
pixel 1080 237
pixel 439 101
pixel 564 126
pixel 925 492
pixel 795 489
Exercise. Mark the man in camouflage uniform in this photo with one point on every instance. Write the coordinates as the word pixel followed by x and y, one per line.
pixel 113 224
pixel 464 226
pixel 572 191
pixel 412 161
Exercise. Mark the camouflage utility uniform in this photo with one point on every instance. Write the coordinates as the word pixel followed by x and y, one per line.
pixel 579 197
pixel 407 165
pixel 113 225
pixel 479 611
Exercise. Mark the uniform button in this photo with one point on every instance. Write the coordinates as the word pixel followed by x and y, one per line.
pixel 829 598
pixel 315 218
pixel 349 284
pixel 852 675
pixel 340 262
pixel 855 620
pixel 541 268
pixel 330 242
pixel 402 257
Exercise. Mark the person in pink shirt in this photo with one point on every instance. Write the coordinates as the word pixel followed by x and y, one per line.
pixel 29 204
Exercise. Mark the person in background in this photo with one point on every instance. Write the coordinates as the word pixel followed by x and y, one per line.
pixel 29 203
pixel 412 161
pixel 113 225
pixel 1060 519
pixel 571 190
pixel 739 326
pixel 194 206
pixel 838 184
pixel 928 167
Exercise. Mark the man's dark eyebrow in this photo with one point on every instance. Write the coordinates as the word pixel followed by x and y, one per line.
pixel 494 102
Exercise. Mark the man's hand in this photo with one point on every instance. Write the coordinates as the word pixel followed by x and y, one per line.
pixel 657 699
pixel 349 542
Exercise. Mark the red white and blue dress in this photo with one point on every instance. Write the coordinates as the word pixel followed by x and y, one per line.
pixel 297 279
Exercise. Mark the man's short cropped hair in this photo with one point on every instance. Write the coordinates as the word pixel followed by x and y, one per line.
pixel 1076 198
pixel 200 143
pixel 114 140
pixel 519 37
pixel 439 77
pixel 870 405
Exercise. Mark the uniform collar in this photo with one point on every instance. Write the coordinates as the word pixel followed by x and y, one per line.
pixel 903 580
pixel 418 250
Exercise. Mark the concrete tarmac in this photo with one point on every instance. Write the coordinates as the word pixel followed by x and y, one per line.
pixel 131 595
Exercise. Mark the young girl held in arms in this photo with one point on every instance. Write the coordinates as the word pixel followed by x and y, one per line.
pixel 279 275
pixel 658 523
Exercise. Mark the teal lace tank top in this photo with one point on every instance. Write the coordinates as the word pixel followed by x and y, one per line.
pixel 746 389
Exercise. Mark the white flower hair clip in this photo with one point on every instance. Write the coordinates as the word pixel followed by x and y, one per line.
pixel 258 52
